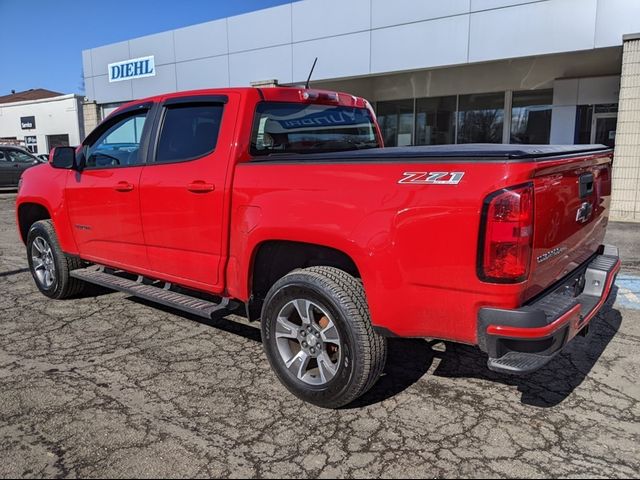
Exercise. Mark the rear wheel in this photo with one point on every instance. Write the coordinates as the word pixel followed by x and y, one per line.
pixel 49 265
pixel 318 336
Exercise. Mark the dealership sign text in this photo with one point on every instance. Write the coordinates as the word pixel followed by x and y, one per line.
pixel 129 69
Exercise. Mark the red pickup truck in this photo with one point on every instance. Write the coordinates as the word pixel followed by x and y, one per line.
pixel 282 201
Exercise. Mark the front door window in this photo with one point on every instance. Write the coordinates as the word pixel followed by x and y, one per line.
pixel 118 146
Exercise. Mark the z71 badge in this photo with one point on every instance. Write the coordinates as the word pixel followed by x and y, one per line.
pixel 432 178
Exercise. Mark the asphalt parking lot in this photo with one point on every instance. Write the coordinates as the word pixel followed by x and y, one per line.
pixel 109 386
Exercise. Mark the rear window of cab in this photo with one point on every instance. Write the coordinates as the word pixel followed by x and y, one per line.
pixel 281 128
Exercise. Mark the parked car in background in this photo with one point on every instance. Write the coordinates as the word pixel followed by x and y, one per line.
pixel 44 157
pixel 14 161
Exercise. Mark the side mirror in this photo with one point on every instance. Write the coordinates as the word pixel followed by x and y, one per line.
pixel 63 157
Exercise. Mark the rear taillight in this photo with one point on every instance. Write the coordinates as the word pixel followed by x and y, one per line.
pixel 506 235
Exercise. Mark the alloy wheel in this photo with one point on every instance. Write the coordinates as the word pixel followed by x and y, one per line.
pixel 308 342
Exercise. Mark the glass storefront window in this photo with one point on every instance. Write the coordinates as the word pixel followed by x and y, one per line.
pixel 596 124
pixel 435 120
pixel 396 122
pixel 531 117
pixel 583 124
pixel 481 118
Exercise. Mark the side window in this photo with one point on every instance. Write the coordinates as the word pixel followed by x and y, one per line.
pixel 189 131
pixel 17 156
pixel 119 145
pixel 3 157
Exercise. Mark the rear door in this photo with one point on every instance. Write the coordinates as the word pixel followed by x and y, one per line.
pixel 182 189
pixel 103 199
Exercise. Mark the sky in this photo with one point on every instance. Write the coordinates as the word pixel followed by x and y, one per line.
pixel 41 41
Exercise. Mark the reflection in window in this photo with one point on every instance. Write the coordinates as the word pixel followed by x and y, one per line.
pixel 583 124
pixel 311 128
pixel 481 118
pixel 119 145
pixel 128 133
pixel 396 122
pixel 435 120
pixel 531 117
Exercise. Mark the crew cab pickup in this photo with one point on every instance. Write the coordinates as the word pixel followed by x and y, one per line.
pixel 281 204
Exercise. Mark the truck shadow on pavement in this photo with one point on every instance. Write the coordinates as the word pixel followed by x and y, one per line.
pixel 410 360
pixel 13 272
pixel 241 329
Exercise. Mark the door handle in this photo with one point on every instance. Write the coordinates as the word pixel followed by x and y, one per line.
pixel 201 187
pixel 124 187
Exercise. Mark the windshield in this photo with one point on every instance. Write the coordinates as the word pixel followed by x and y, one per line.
pixel 311 128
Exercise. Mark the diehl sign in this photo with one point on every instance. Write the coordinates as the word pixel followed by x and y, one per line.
pixel 129 69
pixel 28 123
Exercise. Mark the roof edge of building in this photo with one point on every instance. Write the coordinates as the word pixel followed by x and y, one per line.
pixel 58 98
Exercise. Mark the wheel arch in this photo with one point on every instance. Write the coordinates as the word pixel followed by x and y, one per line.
pixel 272 259
pixel 30 213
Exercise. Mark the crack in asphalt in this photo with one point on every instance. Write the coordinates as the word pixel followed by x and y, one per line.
pixel 108 386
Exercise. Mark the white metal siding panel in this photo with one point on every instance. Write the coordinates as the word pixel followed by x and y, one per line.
pixel 532 29
pixel 200 41
pixel 385 13
pixel 344 56
pixel 264 64
pixel 264 28
pixel 324 18
pixel 419 45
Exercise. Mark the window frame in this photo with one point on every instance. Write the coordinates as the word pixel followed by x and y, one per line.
pixel 161 114
pixel 151 111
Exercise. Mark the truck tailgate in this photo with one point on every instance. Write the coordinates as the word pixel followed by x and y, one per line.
pixel 572 197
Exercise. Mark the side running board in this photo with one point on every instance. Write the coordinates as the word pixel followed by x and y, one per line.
pixel 163 296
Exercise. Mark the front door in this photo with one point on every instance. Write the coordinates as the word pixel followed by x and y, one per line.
pixel 104 197
pixel 603 129
pixel 182 191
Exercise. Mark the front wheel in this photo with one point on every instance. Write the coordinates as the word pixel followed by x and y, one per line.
pixel 318 336
pixel 49 265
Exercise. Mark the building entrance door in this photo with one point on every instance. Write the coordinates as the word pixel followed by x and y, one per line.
pixel 603 128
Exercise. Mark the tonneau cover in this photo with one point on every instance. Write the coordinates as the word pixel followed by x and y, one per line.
pixel 465 151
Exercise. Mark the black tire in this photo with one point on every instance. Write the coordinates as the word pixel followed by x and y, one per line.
pixel 363 351
pixel 63 285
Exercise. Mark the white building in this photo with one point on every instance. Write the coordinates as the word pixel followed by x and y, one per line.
pixel 40 120
pixel 455 71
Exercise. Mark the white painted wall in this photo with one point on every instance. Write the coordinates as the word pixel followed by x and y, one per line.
pixel 53 116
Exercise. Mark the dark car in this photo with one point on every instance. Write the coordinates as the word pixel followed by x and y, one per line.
pixel 43 157
pixel 14 161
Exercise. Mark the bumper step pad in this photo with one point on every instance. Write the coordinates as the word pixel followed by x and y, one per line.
pixel 518 363
pixel 179 301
